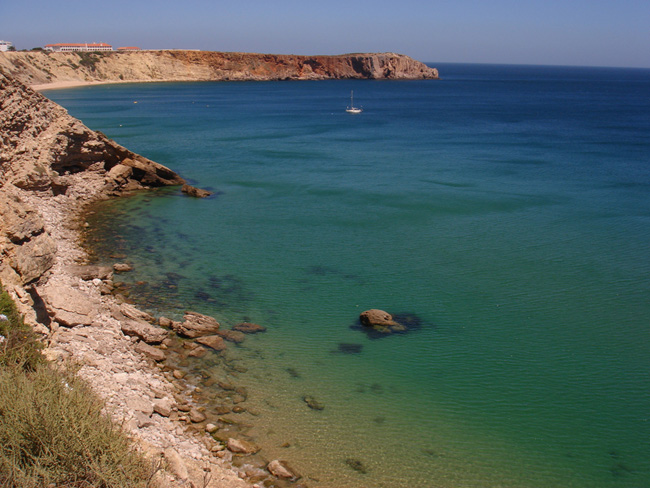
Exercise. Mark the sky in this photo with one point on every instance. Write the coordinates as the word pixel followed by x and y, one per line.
pixel 552 32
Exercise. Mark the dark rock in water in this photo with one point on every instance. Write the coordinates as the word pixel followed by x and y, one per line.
pixel 249 328
pixel 122 267
pixel 195 192
pixel 408 320
pixel 312 403
pixel 213 341
pixel 346 348
pixel 356 465
pixel 293 373
pixel 378 323
pixel 376 388
pixel 203 296
pixel 232 335
pixel 620 470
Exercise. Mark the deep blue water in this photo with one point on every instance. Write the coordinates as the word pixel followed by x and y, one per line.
pixel 508 207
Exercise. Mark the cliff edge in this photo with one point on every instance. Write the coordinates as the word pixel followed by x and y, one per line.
pixel 46 152
pixel 40 68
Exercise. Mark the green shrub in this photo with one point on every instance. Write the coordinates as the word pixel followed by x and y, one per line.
pixel 52 428
pixel 53 432
pixel 18 344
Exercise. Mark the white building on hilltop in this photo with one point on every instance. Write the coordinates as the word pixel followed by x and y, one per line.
pixel 5 45
pixel 65 47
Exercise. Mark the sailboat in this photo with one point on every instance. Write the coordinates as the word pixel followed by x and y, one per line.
pixel 351 108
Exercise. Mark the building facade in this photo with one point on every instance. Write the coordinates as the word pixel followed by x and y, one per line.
pixel 64 47
pixel 5 45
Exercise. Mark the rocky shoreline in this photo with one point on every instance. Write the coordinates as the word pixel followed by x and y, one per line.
pixel 51 168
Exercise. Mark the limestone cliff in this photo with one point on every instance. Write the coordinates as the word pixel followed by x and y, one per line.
pixel 35 68
pixel 47 154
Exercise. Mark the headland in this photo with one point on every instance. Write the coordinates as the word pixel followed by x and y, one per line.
pixel 60 69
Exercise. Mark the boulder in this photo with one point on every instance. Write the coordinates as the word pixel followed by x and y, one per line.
pixel 376 318
pixel 139 404
pixel 150 351
pixel 313 403
pixel 195 192
pixel 163 407
pixel 143 331
pixel 280 469
pixel 90 272
pixel 378 323
pixel 240 446
pixel 196 416
pixel 249 328
pixel 33 258
pixel 131 312
pixel 196 325
pixel 176 464
pixel 232 335
pixel 69 306
pixel 214 341
pixel 122 267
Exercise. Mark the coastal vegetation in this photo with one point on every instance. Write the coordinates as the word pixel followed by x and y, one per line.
pixel 53 430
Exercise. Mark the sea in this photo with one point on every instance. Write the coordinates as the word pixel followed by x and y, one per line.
pixel 504 210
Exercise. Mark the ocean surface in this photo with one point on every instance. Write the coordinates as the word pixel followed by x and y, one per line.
pixel 506 207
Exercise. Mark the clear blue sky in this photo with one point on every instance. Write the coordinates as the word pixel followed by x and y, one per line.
pixel 568 32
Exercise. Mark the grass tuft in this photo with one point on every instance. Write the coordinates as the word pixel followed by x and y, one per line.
pixel 53 431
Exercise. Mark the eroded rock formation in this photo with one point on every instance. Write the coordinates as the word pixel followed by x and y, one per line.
pixel 35 68
pixel 44 152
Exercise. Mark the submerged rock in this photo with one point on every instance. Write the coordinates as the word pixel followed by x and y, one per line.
pixel 280 469
pixel 356 465
pixel 249 328
pixel 122 267
pixel 195 192
pixel 232 335
pixel 213 341
pixel 313 403
pixel 240 446
pixel 347 348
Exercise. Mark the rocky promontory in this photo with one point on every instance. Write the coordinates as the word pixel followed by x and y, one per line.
pixel 42 68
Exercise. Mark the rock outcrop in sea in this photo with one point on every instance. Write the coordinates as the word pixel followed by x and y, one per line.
pixel 40 68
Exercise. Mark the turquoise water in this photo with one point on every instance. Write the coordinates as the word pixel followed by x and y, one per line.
pixel 507 207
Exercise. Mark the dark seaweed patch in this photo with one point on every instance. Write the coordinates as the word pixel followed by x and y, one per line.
pixel 356 465
pixel 347 348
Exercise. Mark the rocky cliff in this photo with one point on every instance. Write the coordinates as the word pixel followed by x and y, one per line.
pixel 51 165
pixel 36 68
pixel 47 155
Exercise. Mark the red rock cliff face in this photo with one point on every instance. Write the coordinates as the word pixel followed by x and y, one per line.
pixel 291 67
pixel 42 68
